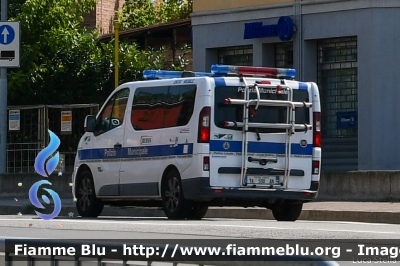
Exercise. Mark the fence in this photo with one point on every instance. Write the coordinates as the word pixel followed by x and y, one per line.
pixel 28 133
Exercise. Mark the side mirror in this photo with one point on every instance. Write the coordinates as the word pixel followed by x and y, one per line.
pixel 90 123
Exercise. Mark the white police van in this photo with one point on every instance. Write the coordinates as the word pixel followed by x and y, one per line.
pixel 239 136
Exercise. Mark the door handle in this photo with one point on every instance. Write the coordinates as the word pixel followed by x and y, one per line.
pixel 117 146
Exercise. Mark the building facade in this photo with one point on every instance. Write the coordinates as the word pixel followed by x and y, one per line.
pixel 103 16
pixel 174 35
pixel 350 48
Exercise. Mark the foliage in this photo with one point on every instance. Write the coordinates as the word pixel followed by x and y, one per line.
pixel 63 63
pixel 50 42
pixel 181 62
pixel 141 13
pixel 137 13
pixel 170 10
pixel 14 7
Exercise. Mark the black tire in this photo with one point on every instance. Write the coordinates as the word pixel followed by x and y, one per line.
pixel 175 206
pixel 199 210
pixel 289 212
pixel 87 204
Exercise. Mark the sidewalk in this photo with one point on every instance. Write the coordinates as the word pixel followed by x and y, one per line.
pixel 371 212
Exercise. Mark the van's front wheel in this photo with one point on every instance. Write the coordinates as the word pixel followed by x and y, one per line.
pixel 287 211
pixel 175 205
pixel 87 204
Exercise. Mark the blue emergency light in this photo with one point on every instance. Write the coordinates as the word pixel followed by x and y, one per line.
pixel 223 71
pixel 170 74
pixel 256 71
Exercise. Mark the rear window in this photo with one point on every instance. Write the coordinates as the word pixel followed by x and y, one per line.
pixel 265 114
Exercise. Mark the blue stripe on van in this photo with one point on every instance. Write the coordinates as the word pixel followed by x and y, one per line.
pixel 219 82
pixel 135 152
pixel 258 147
pixel 171 150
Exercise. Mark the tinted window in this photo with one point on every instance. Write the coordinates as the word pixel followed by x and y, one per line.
pixel 148 108
pixel 265 114
pixel 161 107
pixel 179 106
pixel 113 113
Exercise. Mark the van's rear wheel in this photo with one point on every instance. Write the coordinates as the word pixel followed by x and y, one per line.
pixel 198 211
pixel 175 205
pixel 287 211
pixel 87 204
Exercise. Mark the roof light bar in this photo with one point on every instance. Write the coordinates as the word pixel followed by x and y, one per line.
pixel 221 71
pixel 169 74
pixel 258 71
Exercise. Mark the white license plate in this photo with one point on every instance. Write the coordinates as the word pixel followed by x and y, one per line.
pixel 263 180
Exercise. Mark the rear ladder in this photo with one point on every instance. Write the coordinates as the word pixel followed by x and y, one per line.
pixel 290 126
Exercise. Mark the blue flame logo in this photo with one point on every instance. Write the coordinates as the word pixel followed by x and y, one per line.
pixel 35 201
pixel 45 169
pixel 45 153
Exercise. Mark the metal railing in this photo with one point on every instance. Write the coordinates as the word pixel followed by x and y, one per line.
pixel 21 156
pixel 28 133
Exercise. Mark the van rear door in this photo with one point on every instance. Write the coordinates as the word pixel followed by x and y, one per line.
pixel 269 149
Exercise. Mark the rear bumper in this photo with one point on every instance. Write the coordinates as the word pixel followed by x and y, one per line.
pixel 198 189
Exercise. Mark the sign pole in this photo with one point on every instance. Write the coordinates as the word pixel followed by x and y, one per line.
pixel 3 103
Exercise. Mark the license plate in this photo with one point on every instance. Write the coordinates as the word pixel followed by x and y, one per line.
pixel 263 180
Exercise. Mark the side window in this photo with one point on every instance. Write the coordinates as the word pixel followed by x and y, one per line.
pixel 179 106
pixel 148 108
pixel 113 113
pixel 161 107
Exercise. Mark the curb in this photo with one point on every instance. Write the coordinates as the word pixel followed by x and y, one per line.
pixel 233 213
pixel 310 215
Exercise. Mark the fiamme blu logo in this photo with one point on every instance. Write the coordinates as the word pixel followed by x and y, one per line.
pixel 45 164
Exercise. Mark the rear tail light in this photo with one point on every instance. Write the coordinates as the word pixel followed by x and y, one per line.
pixel 204 125
pixel 206 163
pixel 317 129
pixel 315 167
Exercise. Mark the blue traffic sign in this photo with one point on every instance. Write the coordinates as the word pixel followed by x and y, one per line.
pixel 7 34
pixel 9 43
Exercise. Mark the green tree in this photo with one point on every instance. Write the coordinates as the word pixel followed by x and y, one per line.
pixel 51 38
pixel 170 10
pixel 14 7
pixel 137 13
pixel 140 13
pixel 63 63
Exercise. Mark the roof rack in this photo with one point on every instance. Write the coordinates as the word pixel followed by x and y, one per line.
pixel 249 111
pixel 224 71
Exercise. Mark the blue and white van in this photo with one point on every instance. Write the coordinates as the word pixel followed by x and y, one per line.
pixel 239 136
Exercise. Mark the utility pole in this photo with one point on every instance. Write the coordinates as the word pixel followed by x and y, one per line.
pixel 3 103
